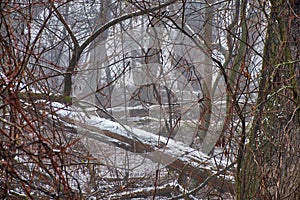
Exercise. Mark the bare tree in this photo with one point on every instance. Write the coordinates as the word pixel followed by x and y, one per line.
pixel 149 99
pixel 271 157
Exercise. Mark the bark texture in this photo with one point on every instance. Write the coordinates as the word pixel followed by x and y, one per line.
pixel 270 166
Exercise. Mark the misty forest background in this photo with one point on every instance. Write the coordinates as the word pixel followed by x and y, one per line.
pixel 146 99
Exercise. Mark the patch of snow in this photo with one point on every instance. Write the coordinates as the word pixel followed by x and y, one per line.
pixel 89 125
pixel 56 150
pixel 3 77
pixel 14 192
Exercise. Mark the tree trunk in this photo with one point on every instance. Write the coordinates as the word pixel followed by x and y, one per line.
pixel 175 156
pixel 270 166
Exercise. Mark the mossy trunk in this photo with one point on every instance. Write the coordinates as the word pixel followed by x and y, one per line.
pixel 270 164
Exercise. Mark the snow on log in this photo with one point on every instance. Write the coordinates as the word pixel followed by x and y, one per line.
pixel 163 190
pixel 174 155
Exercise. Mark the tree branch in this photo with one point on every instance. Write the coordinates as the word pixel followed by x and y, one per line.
pixel 78 51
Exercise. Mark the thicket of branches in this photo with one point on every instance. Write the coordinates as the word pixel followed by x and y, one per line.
pixel 249 59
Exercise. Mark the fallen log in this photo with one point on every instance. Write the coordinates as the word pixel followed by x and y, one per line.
pixel 174 155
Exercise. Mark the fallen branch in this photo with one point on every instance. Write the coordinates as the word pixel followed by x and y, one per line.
pixel 174 155
pixel 163 190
